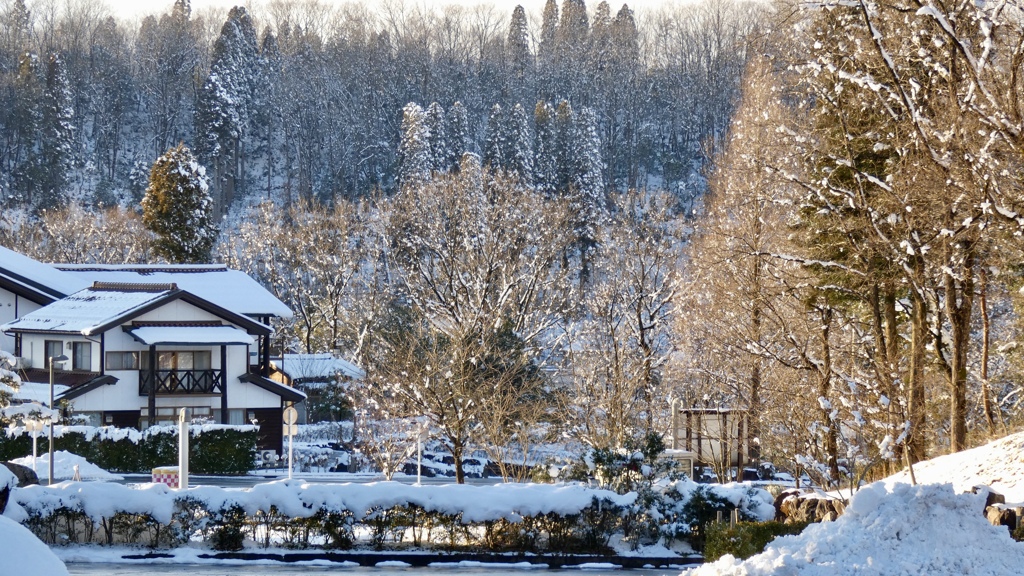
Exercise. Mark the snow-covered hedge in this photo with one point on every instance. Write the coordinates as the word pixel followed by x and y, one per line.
pixel 291 513
pixel 215 448
pixel 526 517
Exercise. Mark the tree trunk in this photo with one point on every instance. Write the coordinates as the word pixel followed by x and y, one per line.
pixel 959 301
pixel 986 342
pixel 918 343
pixel 824 391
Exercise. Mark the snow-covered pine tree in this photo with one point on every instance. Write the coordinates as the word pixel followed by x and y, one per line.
pixel 440 155
pixel 545 164
pixel 178 208
pixel 494 140
pixel 267 115
pixel 458 135
pixel 56 138
pixel 565 131
pixel 414 149
pixel 23 127
pixel 225 103
pixel 519 146
pixel 517 45
pixel 548 36
pixel 586 186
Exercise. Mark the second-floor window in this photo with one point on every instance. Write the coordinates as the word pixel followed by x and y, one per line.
pixel 54 348
pixel 81 356
pixel 122 361
pixel 197 360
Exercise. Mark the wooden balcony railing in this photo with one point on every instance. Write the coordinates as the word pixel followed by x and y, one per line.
pixel 182 382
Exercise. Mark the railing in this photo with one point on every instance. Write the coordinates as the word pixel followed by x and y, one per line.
pixel 182 382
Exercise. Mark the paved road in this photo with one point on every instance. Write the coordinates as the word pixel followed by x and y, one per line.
pixel 325 478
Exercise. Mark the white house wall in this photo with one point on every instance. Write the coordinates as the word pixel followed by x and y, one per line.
pixel 124 395
pixel 12 307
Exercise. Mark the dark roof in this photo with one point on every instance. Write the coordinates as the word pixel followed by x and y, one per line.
pixel 286 393
pixel 87 386
pixel 62 377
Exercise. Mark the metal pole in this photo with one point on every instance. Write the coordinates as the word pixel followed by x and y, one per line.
pixel 291 461
pixel 419 457
pixel 50 481
pixel 183 450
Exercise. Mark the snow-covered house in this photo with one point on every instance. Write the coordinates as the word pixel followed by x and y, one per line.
pixel 145 341
pixel 322 377
pixel 27 285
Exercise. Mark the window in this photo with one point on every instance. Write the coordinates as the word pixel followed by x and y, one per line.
pixel 81 356
pixel 122 361
pixel 54 348
pixel 198 360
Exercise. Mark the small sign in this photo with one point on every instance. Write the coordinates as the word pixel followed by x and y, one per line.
pixel 291 429
pixel 291 415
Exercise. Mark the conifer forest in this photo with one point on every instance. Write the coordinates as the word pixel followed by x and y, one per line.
pixel 552 227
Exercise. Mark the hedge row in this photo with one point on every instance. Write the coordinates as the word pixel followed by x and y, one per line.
pixel 213 449
pixel 564 520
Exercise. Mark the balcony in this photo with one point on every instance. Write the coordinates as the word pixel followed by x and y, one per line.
pixel 182 382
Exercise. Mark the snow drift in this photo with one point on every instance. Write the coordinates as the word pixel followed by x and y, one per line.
pixel 890 530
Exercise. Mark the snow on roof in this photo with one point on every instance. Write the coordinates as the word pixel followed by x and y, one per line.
pixel 37 392
pixel 894 530
pixel 229 289
pixel 37 277
pixel 86 310
pixel 191 335
pixel 316 366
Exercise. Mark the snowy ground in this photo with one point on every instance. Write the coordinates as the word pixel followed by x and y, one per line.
pixel 64 469
pixel 892 528
pixel 999 464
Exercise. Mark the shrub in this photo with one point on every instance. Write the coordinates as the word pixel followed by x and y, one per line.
pixel 744 539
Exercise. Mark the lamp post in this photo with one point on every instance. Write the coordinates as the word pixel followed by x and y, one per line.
pixel 61 359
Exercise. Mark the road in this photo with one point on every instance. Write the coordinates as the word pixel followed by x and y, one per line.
pixel 319 478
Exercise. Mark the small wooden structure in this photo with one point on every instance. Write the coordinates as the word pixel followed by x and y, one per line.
pixel 720 437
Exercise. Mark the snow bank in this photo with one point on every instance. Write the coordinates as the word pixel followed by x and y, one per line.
pixel 890 530
pixel 999 464
pixel 64 467
pixel 24 554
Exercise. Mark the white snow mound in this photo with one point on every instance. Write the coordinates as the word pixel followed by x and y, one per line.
pixel 23 554
pixel 64 469
pixel 893 531
pixel 999 464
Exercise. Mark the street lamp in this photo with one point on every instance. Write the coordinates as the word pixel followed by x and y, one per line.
pixel 59 359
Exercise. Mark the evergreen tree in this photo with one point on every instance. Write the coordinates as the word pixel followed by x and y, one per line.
pixel 414 149
pixel 267 124
pixel 548 33
pixel 178 208
pixel 56 138
pixel 24 127
pixel 545 163
pixel 565 128
pixel 519 152
pixel 494 140
pixel 586 187
pixel 225 105
pixel 440 155
pixel 458 135
pixel 517 45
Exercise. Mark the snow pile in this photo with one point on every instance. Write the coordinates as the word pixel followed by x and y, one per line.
pixel 64 469
pixel 7 478
pixel 890 530
pixel 999 464
pixel 24 554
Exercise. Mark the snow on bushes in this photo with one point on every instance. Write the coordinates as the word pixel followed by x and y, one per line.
pixel 503 517
pixel 893 530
